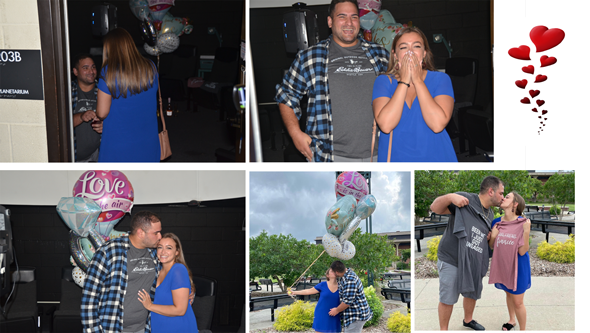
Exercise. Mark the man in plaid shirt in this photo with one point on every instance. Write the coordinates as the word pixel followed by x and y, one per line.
pixel 352 64
pixel 353 303
pixel 119 269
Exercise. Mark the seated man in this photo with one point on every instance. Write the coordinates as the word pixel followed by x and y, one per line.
pixel 87 126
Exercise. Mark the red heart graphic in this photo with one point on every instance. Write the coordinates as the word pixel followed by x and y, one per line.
pixel 545 118
pixel 521 83
pixel 521 53
pixel 543 124
pixel 544 111
pixel 539 117
pixel 540 102
pixel 545 38
pixel 534 93
pixel 525 101
pixel 535 110
pixel 529 69
pixel 540 78
pixel 547 61
pixel 112 196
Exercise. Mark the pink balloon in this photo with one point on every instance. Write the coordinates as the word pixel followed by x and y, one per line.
pixel 374 5
pixel 351 183
pixel 111 190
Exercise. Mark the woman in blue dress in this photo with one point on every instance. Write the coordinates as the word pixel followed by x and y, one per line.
pixel 412 104
pixel 126 101
pixel 329 298
pixel 171 310
pixel 513 205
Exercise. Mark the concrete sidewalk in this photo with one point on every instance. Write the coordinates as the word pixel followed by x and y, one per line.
pixel 550 304
pixel 261 319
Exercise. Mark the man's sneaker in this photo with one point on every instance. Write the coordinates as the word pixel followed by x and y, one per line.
pixel 474 325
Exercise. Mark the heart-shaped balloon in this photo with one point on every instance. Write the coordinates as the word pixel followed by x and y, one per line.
pixel 140 9
pixel 368 20
pixel 105 228
pixel 171 24
pixel 334 248
pixel 340 214
pixel 79 214
pixel 385 29
pixel 79 276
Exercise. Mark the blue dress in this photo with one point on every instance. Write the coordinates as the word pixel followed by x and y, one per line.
pixel 130 131
pixel 176 278
pixel 322 321
pixel 413 140
pixel 523 281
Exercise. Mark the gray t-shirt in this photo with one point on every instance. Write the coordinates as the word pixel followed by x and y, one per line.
pixel 351 77
pixel 448 248
pixel 87 140
pixel 141 272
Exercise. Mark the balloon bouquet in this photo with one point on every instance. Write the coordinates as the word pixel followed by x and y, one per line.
pixel 379 25
pixel 354 205
pixel 159 28
pixel 100 200
pixel 368 11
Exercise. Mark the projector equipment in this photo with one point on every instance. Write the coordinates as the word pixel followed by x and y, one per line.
pixel 300 29
pixel 104 19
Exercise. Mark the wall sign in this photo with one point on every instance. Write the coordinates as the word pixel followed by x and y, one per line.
pixel 20 74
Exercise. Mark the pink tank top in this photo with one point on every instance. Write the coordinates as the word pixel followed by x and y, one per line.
pixel 504 268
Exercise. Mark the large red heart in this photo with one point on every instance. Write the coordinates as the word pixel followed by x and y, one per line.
pixel 535 110
pixel 529 69
pixel 534 93
pixel 521 83
pixel 525 100
pixel 521 53
pixel 547 61
pixel 545 38
pixel 544 111
pixel 540 102
pixel 540 78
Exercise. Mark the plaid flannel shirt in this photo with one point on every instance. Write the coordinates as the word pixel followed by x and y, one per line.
pixel 352 293
pixel 105 286
pixel 309 75
pixel 74 103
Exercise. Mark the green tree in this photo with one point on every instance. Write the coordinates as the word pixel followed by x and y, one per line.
pixel 561 188
pixel 281 257
pixel 428 185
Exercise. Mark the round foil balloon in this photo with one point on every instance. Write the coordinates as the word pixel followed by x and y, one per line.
pixel 343 251
pixel 148 33
pixel 79 276
pixel 111 190
pixel 168 42
pixel 340 215
pixel 351 183
pixel 171 24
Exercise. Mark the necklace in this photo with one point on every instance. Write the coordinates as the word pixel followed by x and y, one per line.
pixel 483 210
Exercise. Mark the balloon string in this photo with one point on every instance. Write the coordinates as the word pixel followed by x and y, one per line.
pixel 297 281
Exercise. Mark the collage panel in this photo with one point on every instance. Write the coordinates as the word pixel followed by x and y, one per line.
pixel 504 240
pixel 330 251
pixel 122 250
pixel 374 80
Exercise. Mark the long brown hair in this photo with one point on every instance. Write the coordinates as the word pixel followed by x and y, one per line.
pixel 180 257
pixel 428 62
pixel 521 204
pixel 126 68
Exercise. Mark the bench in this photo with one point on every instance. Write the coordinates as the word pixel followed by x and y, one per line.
pixel 266 282
pixel 270 302
pixel 540 215
pixel 547 226
pixel 395 275
pixel 399 284
pixel 434 217
pixel 255 285
pixel 398 294
pixel 421 231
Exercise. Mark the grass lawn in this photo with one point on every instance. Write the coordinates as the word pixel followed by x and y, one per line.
pixel 548 204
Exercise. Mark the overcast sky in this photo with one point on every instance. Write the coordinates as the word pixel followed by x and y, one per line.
pixel 296 202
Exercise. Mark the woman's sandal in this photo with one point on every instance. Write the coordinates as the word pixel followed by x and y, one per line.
pixel 507 327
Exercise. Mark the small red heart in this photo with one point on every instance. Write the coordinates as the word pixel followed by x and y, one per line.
pixel 521 83
pixel 539 117
pixel 529 69
pixel 521 53
pixel 545 38
pixel 535 110
pixel 540 78
pixel 525 101
pixel 545 118
pixel 543 124
pixel 534 93
pixel 540 102
pixel 547 61
pixel 544 111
